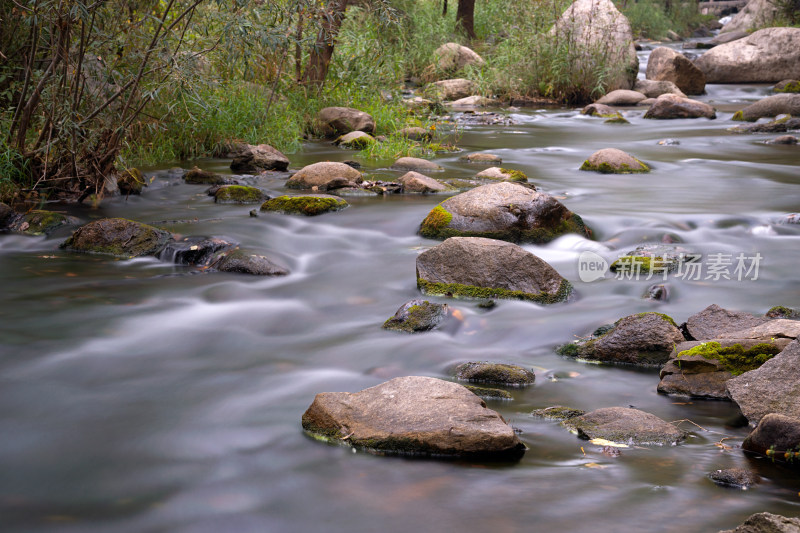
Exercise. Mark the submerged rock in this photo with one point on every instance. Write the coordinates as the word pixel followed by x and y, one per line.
pixel 414 182
pixel 309 205
pixel 198 176
pixel 242 262
pixel 326 175
pixel 502 174
pixel 417 315
pixel 776 436
pixel 613 161
pixel 118 236
pixel 665 64
pixel 626 426
pixel 415 163
pixel 734 477
pixel 194 251
pixel 486 268
pixel 258 158
pixel 334 121
pixel 507 211
pixel 779 125
pixel 771 106
pixel 714 322
pixel 413 416
pixel 238 194
pixel 40 222
pixel 495 373
pixel 488 393
pixel 670 106
pixel 557 412
pixel 767 523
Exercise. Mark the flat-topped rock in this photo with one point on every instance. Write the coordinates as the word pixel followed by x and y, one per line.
pixel 495 373
pixel 415 163
pixel 502 174
pixel 614 161
pixel 622 97
pixel 714 322
pixel 309 205
pixel 655 88
pixel 626 426
pixel 118 236
pixel 324 176
pixel 482 158
pixel 413 416
pixel 669 106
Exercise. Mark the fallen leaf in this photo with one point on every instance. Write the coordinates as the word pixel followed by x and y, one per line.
pixel 604 442
pixel 458 315
pixel 595 465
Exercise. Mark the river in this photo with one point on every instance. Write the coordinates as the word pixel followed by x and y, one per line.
pixel 140 396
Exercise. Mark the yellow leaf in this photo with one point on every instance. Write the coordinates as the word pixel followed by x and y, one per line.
pixel 595 465
pixel 604 442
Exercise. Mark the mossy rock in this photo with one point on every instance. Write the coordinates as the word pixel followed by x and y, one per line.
pixel 788 86
pixel 644 264
pixel 488 393
pixel 197 176
pixel 238 194
pixel 515 175
pixel 119 237
pixel 735 358
pixel 41 222
pixel 557 412
pixel 457 290
pixel 311 205
pixel 497 373
pixel 739 117
pixel 131 181
pixel 606 168
pixel 616 118
pixel 417 316
pixel 780 311
pixel 614 161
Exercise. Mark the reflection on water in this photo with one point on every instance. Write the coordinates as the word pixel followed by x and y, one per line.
pixel 141 396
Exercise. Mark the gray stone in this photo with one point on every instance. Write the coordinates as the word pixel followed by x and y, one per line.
pixel 714 322
pixel 258 158
pixel 665 64
pixel 471 101
pixel 621 97
pixel 626 426
pixel 453 89
pixel 767 523
pixel 597 109
pixel 756 14
pixel 334 121
pixel 194 251
pixel 414 182
pixel 783 139
pixel 771 106
pixel 669 106
pixel 734 477
pixel 774 436
pixel 728 36
pixel 654 88
pixel 780 125
pixel 452 57
pixel 501 174
pixel 415 163
pixel 241 262
pixel 119 237
pixel 614 161
pixel 325 176
pixel 766 56
pixel 413 416
pixel 495 373
pixel 417 315
pixel 482 158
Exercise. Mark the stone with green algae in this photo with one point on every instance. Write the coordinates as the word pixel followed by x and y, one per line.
pixel 309 205
pixel 614 161
pixel 416 316
pixel 119 237
pixel 495 373
pixel 238 194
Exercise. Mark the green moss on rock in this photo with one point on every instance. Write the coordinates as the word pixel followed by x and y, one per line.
pixel 436 223
pixel 557 412
pixel 739 116
pixel 457 290
pixel 606 168
pixel 498 373
pixel 41 222
pixel 119 237
pixel 791 87
pixel 780 311
pixel 644 263
pixel 489 393
pixel 421 316
pixel 515 175
pixel 304 205
pixel 735 358
pixel 238 194
pixel 198 176
pixel 131 181
pixel 615 118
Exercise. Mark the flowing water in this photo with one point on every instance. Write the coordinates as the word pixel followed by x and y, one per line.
pixel 140 396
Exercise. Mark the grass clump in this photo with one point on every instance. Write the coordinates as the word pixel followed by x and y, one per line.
pixel 735 359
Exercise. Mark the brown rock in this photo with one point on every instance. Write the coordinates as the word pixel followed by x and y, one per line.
pixel 654 89
pixel 772 106
pixel 614 161
pixel 326 175
pixel 340 120
pixel 415 163
pixel 669 106
pixel 714 322
pixel 627 426
pixel 665 64
pixel 621 97
pixel 452 57
pixel 420 183
pixel 258 158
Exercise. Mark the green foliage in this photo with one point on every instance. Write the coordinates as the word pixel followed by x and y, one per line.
pixel 651 19
pixel 736 359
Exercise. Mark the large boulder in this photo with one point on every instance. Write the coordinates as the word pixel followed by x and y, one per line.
pixel 767 56
pixel 614 161
pixel 771 106
pixel 475 267
pixel 668 106
pixel 774 436
pixel 325 176
pixel 772 388
pixel 654 89
pixel 452 57
pixel 714 322
pixel 333 121
pixel 626 426
pixel 258 158
pixel 415 182
pixel 767 523
pixel 665 64
pixel 756 14
pixel 601 37
pixel 413 416
pixel 643 339
pixel 505 210
pixel 118 236
pixel 621 97
pixel 453 89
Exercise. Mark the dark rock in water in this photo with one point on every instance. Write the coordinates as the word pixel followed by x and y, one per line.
pixel 241 262
pixel 118 236
pixel 324 176
pixel 780 311
pixel 198 176
pixel 334 121
pixel 714 322
pixel 771 106
pixel 487 393
pixel 194 250
pixel 413 416
pixel 767 523
pixel 239 194
pixel 665 64
pixel 6 215
pixel 734 477
pixel 779 125
pixel 496 373
pixel 507 211
pixel 474 267
pixel 658 293
pixel 41 222
pixel 614 161
pixel 259 158
pixel 626 426
pixel 776 436
pixel 783 139
pixel 557 412
pixel 417 315
pixel 131 181
pixel 772 388
pixel 644 339
pixel 669 106
pixel 355 164
pixel 309 205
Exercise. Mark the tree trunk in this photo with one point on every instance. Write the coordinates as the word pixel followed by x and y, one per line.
pixel 320 58
pixel 465 17
pixel 444 8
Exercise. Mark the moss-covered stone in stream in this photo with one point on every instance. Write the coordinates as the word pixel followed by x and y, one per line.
pixel 780 311
pixel 41 222
pixel 238 194
pixel 739 116
pixel 118 236
pixel 457 290
pixel 497 373
pixel 735 358
pixel 514 175
pixel 792 87
pixel 198 176
pixel 615 118
pixel 304 205
pixel 417 316
pixel 557 412
pixel 644 264
pixel 435 223
pixel 131 181
pixel 606 168
pixel 490 393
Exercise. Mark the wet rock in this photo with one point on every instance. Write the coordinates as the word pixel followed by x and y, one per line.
pixel 452 89
pixel 655 88
pixel 502 174
pixel 728 36
pixel 417 315
pixel 309 205
pixel 415 134
pixel 194 251
pixel 415 163
pixel 626 426
pixel 7 215
pixel 772 329
pixel 772 388
pixel 613 161
pixel 643 339
pixel 780 125
pixel 594 29
pixel 621 97
pixel 241 262
pixel 488 118
pixel 665 64
pixel 658 292
pixel 784 139
pixel 765 56
pixel 239 194
pixel 787 86
pixel 324 176
pixel 669 142
pixel 557 412
pixel 452 57
pixel 197 176
pixel 482 158
pixel 496 373
pixel 669 106
pixel 413 416
pixel 774 436
pixel 734 477
pixel 414 182
pixel 355 139
pixel 480 268
pixel 259 158
pixel 131 181
pixel 118 236
pixel 780 311
pixel 40 222
pixel 597 109
pixel 506 210
pixel 471 101
pixel 650 260
pixel 334 121
pixel 767 523
pixel 616 118
pixel 419 103
pixel 771 106
pixel 488 393
pixel 755 14
pixel 714 322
